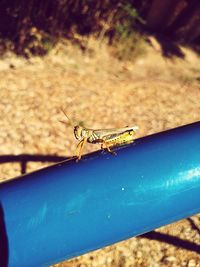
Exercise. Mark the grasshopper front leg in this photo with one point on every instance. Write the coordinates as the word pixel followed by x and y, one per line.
pixel 79 148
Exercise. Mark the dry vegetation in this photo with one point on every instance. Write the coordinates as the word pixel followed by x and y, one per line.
pixel 150 91
pixel 34 27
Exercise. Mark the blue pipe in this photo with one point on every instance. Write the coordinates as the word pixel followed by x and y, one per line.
pixel 71 208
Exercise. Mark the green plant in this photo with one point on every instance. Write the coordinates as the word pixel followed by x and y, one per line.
pixel 130 48
pixel 128 42
pixel 127 19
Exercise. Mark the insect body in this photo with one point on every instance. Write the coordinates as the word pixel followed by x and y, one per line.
pixel 106 137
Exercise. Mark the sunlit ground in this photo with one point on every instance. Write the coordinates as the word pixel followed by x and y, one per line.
pixel 100 91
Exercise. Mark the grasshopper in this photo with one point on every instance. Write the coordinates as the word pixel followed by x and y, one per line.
pixel 106 137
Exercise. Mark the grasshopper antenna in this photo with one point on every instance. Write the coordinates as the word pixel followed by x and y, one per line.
pixel 70 122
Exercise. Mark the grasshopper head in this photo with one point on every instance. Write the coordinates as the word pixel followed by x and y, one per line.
pixel 80 132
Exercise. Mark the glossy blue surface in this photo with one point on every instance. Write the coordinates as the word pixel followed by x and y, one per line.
pixel 71 208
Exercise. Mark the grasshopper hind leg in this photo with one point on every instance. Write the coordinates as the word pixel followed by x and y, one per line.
pixel 105 146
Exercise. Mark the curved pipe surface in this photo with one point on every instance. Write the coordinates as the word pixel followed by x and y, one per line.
pixel 71 208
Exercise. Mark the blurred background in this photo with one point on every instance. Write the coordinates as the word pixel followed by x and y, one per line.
pixel 107 64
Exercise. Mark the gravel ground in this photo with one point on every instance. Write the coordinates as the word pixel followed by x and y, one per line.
pixel 153 93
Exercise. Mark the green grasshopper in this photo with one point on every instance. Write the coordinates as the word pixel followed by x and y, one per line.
pixel 106 137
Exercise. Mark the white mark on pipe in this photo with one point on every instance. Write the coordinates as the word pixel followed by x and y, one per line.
pixel 75 204
pixel 38 217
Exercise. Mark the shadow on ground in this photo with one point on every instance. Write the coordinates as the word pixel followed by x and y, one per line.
pixel 24 159
pixel 169 48
pixel 172 240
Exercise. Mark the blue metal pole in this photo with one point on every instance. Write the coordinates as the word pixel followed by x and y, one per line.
pixel 71 208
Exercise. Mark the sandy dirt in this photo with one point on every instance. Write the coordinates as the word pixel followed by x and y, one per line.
pixel 99 91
